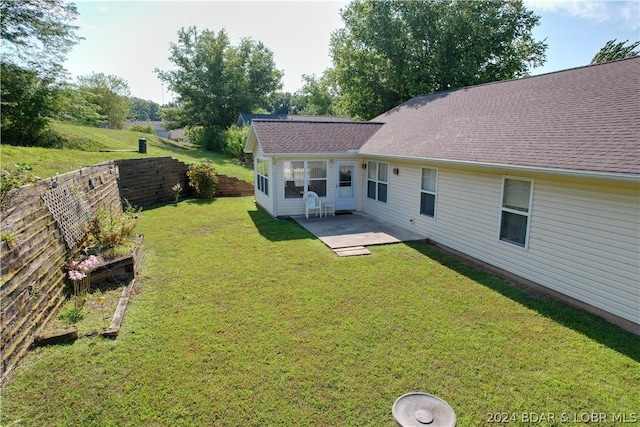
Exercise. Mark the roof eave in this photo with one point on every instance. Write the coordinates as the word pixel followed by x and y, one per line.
pixel 252 141
pixel 349 153
pixel 613 176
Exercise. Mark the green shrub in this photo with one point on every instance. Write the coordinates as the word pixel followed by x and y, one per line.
pixel 10 180
pixel 70 314
pixel 142 129
pixel 207 138
pixel 234 140
pixel 10 239
pixel 203 179
pixel 111 228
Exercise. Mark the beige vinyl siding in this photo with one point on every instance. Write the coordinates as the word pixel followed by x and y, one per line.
pixel 588 234
pixel 266 202
pixel 583 239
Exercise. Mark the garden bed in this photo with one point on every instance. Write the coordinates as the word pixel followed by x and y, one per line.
pixel 104 304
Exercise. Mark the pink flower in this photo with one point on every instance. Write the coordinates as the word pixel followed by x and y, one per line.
pixel 89 263
pixel 76 275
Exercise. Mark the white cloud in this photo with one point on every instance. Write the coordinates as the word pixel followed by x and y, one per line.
pixel 83 24
pixel 626 13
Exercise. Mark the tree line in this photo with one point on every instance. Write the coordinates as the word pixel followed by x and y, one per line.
pixel 388 52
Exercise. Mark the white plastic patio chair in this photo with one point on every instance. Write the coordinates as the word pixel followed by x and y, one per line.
pixel 311 202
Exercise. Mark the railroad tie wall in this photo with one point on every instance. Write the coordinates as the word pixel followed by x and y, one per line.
pixel 34 254
pixel 148 181
pixel 41 227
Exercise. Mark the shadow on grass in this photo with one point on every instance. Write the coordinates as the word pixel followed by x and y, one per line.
pixel 278 230
pixel 175 205
pixel 580 321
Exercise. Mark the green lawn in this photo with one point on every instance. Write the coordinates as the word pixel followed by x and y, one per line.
pixel 247 320
pixel 83 144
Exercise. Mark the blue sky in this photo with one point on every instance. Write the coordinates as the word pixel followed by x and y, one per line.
pixel 130 39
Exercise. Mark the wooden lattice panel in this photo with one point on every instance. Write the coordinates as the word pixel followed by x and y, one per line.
pixel 71 210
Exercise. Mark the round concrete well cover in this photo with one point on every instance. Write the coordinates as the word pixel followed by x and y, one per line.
pixel 422 409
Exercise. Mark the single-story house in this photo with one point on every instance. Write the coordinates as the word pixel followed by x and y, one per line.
pixel 537 177
pixel 244 119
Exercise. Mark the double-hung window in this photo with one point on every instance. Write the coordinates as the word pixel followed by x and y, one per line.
pixel 428 192
pixel 377 181
pixel 262 175
pixel 301 176
pixel 515 210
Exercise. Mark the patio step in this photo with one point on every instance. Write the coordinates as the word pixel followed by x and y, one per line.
pixel 352 251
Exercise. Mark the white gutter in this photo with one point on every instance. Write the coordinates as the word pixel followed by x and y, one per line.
pixel 345 154
pixel 613 176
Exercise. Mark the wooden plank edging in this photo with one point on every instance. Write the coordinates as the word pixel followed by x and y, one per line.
pixel 118 316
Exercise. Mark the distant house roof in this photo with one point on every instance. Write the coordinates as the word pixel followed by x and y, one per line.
pixel 245 119
pixel 582 119
pixel 297 137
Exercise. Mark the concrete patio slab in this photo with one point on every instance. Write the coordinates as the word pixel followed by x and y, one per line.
pixel 354 230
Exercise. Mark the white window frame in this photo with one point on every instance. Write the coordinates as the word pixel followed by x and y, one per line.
pixel 434 193
pixel 377 181
pixel 526 214
pixel 306 178
pixel 262 179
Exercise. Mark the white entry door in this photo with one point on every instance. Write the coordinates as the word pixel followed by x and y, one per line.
pixel 346 174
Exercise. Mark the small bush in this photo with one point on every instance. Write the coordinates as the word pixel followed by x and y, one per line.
pixel 10 180
pixel 207 138
pixel 10 239
pixel 203 179
pixel 234 140
pixel 111 228
pixel 142 129
pixel 71 314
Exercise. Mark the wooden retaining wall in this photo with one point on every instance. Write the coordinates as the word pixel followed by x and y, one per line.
pixel 229 186
pixel 32 285
pixel 148 181
pixel 145 182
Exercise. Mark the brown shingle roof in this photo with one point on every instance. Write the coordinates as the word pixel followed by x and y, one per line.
pixel 297 137
pixel 585 119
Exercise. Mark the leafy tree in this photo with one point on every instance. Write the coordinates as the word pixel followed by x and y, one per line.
pixel 110 95
pixel 393 50
pixel 612 51
pixel 27 102
pixel 171 115
pixel 78 104
pixel 142 109
pixel 317 96
pixel 215 81
pixel 37 34
pixel 280 103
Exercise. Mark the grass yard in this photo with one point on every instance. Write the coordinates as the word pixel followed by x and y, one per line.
pixel 247 320
pixel 83 144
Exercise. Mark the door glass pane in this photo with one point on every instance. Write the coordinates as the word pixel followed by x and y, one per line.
pixel 345 178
